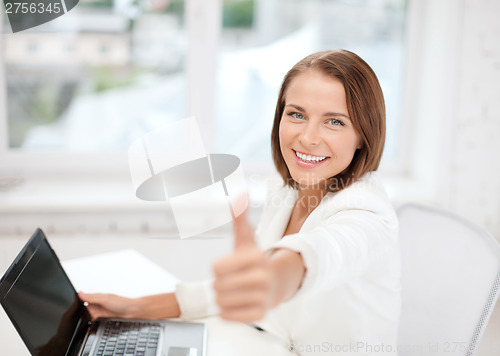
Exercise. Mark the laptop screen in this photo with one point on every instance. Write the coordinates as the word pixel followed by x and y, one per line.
pixel 41 301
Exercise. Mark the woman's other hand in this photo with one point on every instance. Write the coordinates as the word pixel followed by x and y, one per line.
pixel 159 306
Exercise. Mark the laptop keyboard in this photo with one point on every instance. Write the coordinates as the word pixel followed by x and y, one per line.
pixel 123 338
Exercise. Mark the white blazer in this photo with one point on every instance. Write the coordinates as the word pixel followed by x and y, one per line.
pixel 349 301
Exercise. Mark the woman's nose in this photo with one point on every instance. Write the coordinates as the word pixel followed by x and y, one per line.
pixel 310 135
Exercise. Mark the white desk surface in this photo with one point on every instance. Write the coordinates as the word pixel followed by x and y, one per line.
pixel 122 272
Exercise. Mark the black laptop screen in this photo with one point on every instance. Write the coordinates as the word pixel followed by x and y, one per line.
pixel 41 301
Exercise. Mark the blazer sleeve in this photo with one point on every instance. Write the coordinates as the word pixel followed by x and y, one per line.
pixel 345 244
pixel 196 299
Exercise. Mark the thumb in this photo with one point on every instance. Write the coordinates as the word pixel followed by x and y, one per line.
pixel 244 235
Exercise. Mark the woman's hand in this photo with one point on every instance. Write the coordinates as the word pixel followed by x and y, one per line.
pixel 249 282
pixel 244 280
pixel 159 306
pixel 109 305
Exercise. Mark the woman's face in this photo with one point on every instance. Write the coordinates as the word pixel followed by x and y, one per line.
pixel 317 138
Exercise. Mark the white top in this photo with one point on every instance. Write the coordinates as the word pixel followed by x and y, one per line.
pixel 349 301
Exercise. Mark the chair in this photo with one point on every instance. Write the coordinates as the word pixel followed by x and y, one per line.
pixel 450 282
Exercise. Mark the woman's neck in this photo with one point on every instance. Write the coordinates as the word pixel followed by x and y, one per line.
pixel 307 201
pixel 309 198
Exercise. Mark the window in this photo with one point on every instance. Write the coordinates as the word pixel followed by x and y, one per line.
pixel 103 73
pixel 107 72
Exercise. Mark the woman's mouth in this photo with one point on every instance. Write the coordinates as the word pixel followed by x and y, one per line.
pixel 308 160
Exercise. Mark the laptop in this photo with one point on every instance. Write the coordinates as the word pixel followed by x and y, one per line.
pixel 43 305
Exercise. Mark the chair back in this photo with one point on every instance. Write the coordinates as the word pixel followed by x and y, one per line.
pixel 450 282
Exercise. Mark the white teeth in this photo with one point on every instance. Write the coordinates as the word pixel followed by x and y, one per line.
pixel 309 158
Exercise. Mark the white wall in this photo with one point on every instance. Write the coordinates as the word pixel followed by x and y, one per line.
pixel 452 113
pixel 475 150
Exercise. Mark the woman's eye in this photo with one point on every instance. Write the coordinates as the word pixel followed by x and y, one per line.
pixel 335 122
pixel 296 115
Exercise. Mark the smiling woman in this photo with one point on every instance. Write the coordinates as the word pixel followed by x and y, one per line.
pixel 324 262
pixel 314 146
pixel 330 116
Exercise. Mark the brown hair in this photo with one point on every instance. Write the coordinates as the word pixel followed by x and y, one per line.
pixel 365 105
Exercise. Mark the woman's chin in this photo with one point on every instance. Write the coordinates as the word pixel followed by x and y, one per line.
pixel 311 182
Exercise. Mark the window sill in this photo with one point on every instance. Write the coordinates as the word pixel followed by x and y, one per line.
pixel 99 206
pixel 104 206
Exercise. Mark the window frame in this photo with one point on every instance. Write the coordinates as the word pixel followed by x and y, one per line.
pixel 202 18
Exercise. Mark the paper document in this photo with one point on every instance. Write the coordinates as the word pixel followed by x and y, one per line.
pixel 127 273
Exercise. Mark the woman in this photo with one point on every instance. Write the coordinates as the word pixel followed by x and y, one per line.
pixel 325 271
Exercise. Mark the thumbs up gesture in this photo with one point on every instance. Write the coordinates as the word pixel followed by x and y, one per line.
pixel 244 281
